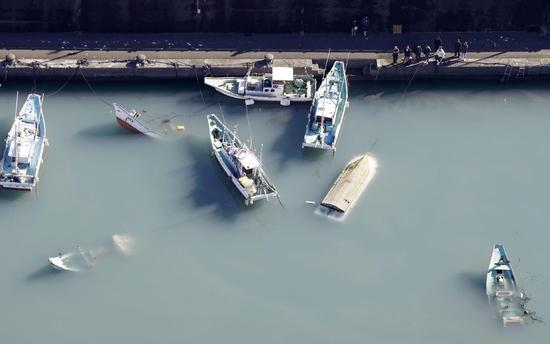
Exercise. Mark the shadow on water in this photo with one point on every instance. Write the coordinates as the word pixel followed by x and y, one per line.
pixel 44 273
pixel 105 130
pixel 288 146
pixel 9 195
pixel 211 187
pixel 474 282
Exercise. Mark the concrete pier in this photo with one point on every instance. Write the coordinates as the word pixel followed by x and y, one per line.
pixel 496 56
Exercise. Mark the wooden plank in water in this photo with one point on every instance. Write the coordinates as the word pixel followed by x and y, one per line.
pixel 349 185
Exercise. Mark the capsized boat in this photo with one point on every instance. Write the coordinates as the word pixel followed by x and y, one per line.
pixel 350 184
pixel 502 290
pixel 327 111
pixel 82 259
pixel 25 143
pixel 131 120
pixel 281 85
pixel 240 164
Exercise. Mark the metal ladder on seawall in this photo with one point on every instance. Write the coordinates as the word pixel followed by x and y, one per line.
pixel 507 73
pixel 521 73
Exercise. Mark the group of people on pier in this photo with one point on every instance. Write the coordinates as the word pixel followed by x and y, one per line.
pixel 419 53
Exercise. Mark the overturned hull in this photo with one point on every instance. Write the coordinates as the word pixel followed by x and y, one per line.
pixel 350 184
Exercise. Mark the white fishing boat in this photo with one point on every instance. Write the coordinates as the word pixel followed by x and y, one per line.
pixel 82 259
pixel 131 120
pixel 240 164
pixel 502 290
pixel 25 143
pixel 327 111
pixel 281 85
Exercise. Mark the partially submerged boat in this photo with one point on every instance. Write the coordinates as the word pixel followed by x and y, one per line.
pixel 350 184
pixel 82 259
pixel 327 111
pixel 24 148
pixel 131 120
pixel 239 163
pixel 281 85
pixel 502 290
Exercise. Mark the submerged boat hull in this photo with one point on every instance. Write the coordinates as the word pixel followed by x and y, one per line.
pixel 130 121
pixel 501 289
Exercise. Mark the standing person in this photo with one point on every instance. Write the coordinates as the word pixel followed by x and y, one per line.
pixel 465 47
pixel 365 26
pixel 427 52
pixel 440 55
pixel 395 54
pixel 458 46
pixel 438 42
pixel 417 53
pixel 354 28
pixel 407 55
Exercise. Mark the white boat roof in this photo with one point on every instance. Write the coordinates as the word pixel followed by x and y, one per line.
pixel 326 108
pixel 283 73
pixel 247 159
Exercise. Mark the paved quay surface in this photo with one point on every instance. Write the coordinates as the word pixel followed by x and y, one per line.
pixel 54 55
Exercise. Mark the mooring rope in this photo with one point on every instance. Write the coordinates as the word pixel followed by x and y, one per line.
pixel 64 84
pixel 92 89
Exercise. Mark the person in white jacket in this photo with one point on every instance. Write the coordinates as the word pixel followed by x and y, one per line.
pixel 439 55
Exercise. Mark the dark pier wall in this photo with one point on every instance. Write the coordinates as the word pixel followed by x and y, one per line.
pixel 255 16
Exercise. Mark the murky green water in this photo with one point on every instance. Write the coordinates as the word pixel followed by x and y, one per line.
pixel 461 167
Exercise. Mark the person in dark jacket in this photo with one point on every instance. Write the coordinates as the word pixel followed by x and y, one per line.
pixel 417 53
pixel 427 52
pixel 395 54
pixel 458 46
pixel 438 42
pixel 365 26
pixel 407 55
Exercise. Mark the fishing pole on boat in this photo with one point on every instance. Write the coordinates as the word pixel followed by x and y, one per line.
pixel 326 64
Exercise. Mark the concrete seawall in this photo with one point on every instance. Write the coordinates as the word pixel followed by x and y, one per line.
pixel 496 56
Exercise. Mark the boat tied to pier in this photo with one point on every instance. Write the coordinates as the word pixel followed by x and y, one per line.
pixel 326 114
pixel 131 120
pixel 281 85
pixel 24 147
pixel 239 163
pixel 349 185
pixel 502 290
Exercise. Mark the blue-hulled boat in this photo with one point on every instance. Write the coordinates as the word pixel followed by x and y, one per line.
pixel 22 155
pixel 326 114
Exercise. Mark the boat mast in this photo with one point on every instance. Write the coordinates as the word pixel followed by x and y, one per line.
pixel 16 133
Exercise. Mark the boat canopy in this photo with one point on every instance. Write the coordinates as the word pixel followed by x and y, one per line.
pixel 283 73
pixel 500 267
pixel 247 160
pixel 326 108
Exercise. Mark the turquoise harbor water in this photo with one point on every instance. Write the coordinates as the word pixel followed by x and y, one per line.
pixel 461 166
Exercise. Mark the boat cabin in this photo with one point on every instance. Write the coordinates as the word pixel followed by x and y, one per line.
pixel 269 85
pixel 247 163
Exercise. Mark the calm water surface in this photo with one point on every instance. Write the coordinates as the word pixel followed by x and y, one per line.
pixel 461 167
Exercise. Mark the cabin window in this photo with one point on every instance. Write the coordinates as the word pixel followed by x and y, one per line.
pixel 247 171
pixel 272 90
